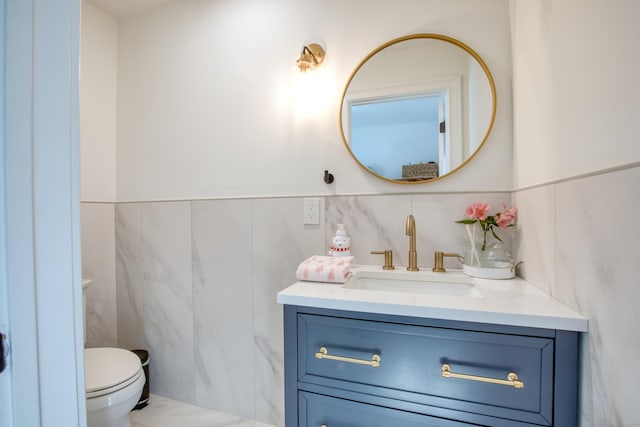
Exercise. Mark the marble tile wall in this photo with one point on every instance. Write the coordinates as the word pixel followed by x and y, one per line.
pixel 377 223
pixel 280 243
pixel 98 264
pixel 223 305
pixel 154 287
pixel 130 291
pixel 580 242
pixel 197 283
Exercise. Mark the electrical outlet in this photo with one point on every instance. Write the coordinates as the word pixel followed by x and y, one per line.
pixel 311 211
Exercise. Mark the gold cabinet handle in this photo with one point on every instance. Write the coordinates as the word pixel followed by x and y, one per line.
pixel 323 353
pixel 512 378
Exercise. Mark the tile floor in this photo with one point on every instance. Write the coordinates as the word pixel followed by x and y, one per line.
pixel 163 412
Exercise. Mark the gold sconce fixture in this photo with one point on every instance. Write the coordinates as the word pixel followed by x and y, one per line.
pixel 311 57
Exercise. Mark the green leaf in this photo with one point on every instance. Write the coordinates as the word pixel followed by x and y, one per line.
pixel 495 235
pixel 467 221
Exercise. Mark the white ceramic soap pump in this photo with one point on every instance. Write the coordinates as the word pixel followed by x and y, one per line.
pixel 341 243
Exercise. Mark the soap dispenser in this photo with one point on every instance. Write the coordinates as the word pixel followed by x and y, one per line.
pixel 341 243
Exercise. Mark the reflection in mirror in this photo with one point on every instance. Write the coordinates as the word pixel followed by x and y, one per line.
pixel 417 108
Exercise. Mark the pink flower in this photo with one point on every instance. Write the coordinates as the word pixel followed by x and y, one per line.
pixel 477 210
pixel 507 217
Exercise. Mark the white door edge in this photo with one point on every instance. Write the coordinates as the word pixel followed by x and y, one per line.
pixel 42 213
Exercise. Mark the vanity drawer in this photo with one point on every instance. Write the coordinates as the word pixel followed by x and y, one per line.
pixel 317 410
pixel 339 352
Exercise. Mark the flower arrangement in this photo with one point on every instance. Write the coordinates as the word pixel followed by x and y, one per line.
pixel 479 213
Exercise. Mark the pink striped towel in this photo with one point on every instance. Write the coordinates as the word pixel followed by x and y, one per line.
pixel 325 269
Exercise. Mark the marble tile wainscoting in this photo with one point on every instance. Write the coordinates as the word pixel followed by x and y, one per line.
pixel 580 240
pixel 197 282
pixel 99 265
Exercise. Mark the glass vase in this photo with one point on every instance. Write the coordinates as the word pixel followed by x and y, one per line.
pixel 489 260
pixel 495 255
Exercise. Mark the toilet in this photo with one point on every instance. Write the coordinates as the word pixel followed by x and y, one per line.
pixel 114 379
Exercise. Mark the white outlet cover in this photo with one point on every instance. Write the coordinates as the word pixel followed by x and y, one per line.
pixel 311 211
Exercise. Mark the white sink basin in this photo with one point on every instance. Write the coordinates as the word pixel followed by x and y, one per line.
pixel 419 282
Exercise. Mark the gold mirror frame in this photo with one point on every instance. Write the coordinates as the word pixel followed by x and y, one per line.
pixel 443 38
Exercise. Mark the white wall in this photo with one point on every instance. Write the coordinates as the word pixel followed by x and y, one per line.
pixel 479 98
pixel 206 102
pixel 576 88
pixel 99 54
pixel 577 111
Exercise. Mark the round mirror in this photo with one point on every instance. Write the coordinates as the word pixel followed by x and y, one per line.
pixel 417 108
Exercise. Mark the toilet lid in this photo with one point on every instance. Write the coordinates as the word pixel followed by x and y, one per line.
pixel 108 369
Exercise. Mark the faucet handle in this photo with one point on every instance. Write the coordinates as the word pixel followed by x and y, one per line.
pixel 438 261
pixel 388 258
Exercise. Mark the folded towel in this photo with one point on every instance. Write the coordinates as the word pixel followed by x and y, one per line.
pixel 325 269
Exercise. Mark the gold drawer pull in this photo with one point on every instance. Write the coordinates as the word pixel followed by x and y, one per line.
pixel 324 354
pixel 512 377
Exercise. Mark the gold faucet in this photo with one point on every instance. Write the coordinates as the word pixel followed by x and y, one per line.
pixel 438 261
pixel 411 232
pixel 388 258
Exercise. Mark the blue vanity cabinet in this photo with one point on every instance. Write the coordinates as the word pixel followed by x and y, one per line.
pixel 360 369
pixel 321 410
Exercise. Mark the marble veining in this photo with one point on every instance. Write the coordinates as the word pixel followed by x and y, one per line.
pixel 98 264
pixel 223 320
pixel 533 239
pixel 280 243
pixel 196 287
pixel 374 223
pixel 129 276
pixel 167 306
pixel 377 223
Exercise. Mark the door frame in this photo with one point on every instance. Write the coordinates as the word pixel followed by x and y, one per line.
pixel 42 218
pixel 448 87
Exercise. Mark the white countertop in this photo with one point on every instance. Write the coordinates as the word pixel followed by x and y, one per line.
pixel 503 302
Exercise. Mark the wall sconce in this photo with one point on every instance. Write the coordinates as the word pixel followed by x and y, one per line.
pixel 311 57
